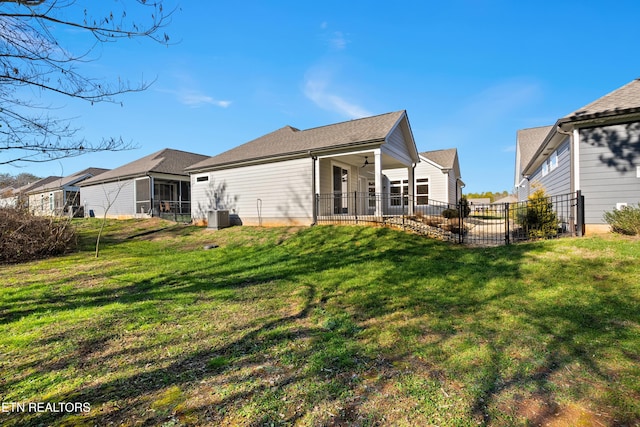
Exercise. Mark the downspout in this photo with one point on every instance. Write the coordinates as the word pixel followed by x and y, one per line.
pixel 314 201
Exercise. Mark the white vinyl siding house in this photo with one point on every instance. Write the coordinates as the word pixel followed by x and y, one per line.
pixel 291 176
pixel 259 194
pixel 437 178
pixel 154 185
pixel 120 194
pixel 60 196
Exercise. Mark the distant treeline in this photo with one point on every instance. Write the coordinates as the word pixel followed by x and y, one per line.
pixel 488 194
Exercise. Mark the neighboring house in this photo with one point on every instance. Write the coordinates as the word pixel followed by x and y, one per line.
pixel 437 178
pixel 479 205
pixel 153 185
pixel 59 196
pixel 595 150
pixel 498 206
pixel 293 176
pixel 18 197
pixel 7 196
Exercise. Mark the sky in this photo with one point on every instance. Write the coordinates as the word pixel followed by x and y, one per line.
pixel 470 74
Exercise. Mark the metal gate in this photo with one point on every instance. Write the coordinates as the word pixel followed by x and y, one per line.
pixel 504 223
pixel 481 225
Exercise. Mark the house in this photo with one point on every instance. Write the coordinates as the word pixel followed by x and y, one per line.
pixel 437 178
pixel 294 177
pixel 154 185
pixel 18 198
pixel 594 150
pixel 479 205
pixel 59 196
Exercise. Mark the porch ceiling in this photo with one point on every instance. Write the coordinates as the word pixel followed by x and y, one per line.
pixel 357 159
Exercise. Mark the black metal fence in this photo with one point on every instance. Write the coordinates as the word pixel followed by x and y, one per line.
pixel 490 224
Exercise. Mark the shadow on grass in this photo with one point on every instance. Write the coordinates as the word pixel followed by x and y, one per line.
pixel 495 323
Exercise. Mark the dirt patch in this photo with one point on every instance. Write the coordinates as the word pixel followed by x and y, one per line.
pixel 540 412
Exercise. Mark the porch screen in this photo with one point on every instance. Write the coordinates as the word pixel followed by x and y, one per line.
pixel 143 195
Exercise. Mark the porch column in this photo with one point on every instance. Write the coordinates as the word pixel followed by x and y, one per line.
pixel 377 164
pixel 411 184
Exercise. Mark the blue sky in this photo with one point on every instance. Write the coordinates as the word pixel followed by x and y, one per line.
pixel 469 74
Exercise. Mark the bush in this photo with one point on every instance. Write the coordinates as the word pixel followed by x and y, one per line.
pixel 24 237
pixel 625 220
pixel 539 219
pixel 450 213
pixel 464 205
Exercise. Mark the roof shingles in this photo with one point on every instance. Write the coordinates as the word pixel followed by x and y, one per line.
pixel 290 141
pixel 167 161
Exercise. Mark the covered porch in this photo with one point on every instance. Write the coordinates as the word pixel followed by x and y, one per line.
pixel 164 197
pixel 354 184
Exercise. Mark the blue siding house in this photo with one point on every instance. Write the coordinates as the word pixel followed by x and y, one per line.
pixel 595 149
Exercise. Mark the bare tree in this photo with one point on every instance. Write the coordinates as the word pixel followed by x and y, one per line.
pixel 110 198
pixel 32 57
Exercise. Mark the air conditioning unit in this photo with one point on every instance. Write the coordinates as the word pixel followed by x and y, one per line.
pixel 218 219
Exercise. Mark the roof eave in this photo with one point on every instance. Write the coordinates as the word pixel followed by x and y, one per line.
pixel 284 156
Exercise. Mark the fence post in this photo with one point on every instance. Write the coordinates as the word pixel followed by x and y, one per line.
pixel 316 203
pixel 460 210
pixel 579 213
pixel 507 232
pixel 355 205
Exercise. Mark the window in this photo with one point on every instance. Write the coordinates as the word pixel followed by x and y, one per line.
pixel 553 161
pixel 398 188
pixel 422 191
pixel 550 164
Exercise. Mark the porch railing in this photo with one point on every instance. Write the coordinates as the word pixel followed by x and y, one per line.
pixel 179 211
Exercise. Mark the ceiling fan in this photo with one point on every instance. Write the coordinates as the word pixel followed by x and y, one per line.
pixel 366 161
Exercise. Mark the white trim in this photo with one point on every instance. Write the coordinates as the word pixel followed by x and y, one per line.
pixel 576 159
pixel 377 159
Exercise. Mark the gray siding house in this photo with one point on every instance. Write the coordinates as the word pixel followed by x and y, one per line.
pixel 154 185
pixel 276 179
pixel 595 149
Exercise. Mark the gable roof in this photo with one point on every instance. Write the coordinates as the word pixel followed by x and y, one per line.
pixel 445 158
pixel 527 143
pixel 167 161
pixel 623 100
pixel 288 141
pixel 620 105
pixel 41 182
pixel 60 182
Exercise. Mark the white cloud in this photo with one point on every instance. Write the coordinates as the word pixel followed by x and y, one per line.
pixel 195 99
pixel 338 41
pixel 316 88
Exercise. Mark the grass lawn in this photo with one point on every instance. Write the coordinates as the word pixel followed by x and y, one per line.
pixel 322 326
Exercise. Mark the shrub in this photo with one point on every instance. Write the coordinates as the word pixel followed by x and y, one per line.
pixel 464 205
pixel 625 220
pixel 450 213
pixel 539 219
pixel 24 237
